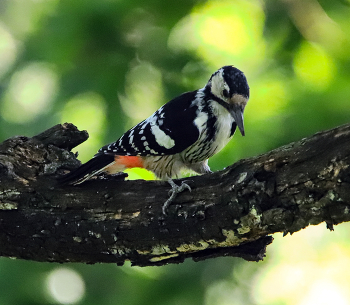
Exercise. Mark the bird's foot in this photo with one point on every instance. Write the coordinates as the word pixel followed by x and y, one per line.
pixel 175 189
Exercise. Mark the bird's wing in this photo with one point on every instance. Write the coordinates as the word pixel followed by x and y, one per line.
pixel 170 130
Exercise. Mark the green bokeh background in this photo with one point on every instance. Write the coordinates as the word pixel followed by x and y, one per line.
pixel 106 65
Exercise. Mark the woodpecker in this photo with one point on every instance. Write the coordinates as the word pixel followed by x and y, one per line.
pixel 182 134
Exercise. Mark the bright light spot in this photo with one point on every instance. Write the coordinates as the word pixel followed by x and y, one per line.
pixel 65 285
pixel 30 93
pixel 324 292
pixel 88 112
pixel 144 92
pixel 139 173
pixel 8 50
pixel 313 66
pixel 223 31
pixel 224 293
pixel 270 98
pixel 153 273
pixel 310 267
pixel 25 16
pixel 316 25
pixel 282 282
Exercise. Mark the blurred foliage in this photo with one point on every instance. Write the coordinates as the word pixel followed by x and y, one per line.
pixel 105 65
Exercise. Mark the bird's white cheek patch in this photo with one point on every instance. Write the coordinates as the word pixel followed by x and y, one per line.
pixel 162 138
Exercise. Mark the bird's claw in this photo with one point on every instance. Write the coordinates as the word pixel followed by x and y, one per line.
pixel 175 189
pixel 178 189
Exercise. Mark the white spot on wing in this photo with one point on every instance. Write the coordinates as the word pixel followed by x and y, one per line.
pixel 162 138
pixel 131 138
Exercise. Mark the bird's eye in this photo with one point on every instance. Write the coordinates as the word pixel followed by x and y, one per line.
pixel 225 93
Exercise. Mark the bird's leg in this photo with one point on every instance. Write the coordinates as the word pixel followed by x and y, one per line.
pixel 175 189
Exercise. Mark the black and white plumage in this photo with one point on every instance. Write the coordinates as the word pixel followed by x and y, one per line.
pixel 181 134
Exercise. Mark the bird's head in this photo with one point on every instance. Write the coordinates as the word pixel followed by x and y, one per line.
pixel 230 89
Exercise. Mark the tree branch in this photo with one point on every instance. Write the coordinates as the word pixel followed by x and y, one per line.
pixel 230 212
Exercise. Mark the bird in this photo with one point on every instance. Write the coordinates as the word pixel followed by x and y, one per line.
pixel 181 135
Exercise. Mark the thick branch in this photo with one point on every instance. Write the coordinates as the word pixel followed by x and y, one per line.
pixel 230 212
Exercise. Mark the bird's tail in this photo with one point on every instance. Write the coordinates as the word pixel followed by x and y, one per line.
pixel 87 170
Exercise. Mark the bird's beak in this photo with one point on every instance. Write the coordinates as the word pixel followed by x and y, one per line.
pixel 237 113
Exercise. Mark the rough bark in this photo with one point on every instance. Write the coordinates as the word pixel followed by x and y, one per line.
pixel 227 213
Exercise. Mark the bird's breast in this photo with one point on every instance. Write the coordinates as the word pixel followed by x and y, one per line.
pixel 223 131
pixel 214 135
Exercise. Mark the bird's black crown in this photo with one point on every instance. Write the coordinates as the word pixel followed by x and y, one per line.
pixel 236 81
